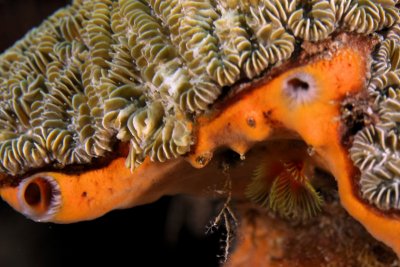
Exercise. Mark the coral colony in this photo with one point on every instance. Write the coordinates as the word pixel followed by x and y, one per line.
pixel 159 82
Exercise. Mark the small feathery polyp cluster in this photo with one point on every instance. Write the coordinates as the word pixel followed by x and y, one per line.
pixel 99 72
pixel 376 148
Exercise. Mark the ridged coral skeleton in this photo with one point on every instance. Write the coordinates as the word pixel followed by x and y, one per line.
pixel 164 77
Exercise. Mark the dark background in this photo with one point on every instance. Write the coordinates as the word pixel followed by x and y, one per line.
pixel 152 235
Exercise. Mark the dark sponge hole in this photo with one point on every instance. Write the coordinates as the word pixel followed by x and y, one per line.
pixel 38 191
pixel 298 85
pixel 32 194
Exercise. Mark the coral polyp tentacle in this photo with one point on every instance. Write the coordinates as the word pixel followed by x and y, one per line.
pixel 315 26
pixel 274 43
pixel 385 67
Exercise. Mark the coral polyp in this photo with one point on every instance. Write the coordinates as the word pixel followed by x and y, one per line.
pixel 315 24
pixel 376 154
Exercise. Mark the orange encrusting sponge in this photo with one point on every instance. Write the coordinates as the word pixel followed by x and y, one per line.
pixel 314 117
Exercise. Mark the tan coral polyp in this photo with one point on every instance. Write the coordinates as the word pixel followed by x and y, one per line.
pixel 317 122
